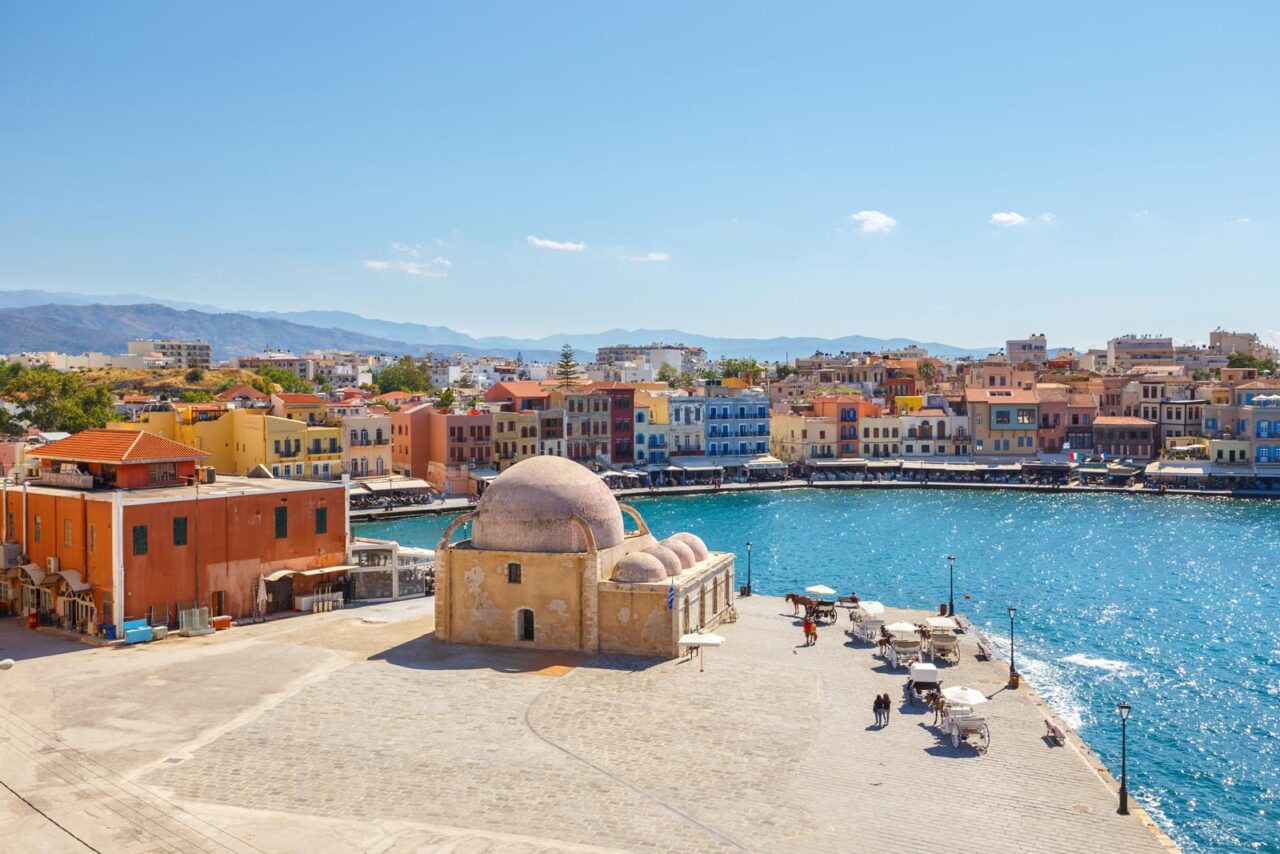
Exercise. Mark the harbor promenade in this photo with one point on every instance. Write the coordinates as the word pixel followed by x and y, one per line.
pixel 355 731
pixel 455 505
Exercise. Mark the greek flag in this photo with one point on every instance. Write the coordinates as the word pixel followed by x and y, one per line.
pixel 671 595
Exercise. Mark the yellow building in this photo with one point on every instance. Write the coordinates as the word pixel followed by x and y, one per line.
pixel 515 437
pixel 550 566
pixel 797 438
pixel 239 440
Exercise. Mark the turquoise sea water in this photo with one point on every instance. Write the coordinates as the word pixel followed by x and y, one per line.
pixel 1170 603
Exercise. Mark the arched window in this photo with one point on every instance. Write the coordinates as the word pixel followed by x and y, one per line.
pixel 524 624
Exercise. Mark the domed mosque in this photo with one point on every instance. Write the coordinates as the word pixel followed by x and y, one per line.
pixel 551 565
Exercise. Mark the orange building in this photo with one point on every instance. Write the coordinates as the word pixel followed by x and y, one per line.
pixel 409 446
pixel 846 410
pixel 117 526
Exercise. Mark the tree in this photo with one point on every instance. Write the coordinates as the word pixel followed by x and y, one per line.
pixel 1248 360
pixel 708 374
pixel 747 369
pixel 52 400
pixel 195 397
pixel 667 374
pixel 782 370
pixel 447 399
pixel 194 375
pixel 270 376
pixel 404 375
pixel 567 371
pixel 468 379
pixel 927 372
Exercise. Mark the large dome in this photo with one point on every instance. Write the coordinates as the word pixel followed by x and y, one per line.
pixel 529 506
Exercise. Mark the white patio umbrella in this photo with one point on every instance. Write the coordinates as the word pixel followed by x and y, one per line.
pixel 963 695
pixel 697 641
pixel 872 608
pixel 820 590
pixel 941 623
pixel 901 628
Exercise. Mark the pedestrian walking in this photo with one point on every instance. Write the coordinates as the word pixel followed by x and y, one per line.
pixel 878 708
pixel 885 705
pixel 810 631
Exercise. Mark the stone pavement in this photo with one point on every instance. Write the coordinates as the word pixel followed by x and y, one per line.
pixel 355 731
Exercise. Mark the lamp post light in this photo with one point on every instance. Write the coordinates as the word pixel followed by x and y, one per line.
pixel 1123 708
pixel 748 567
pixel 951 599
pixel 1013 671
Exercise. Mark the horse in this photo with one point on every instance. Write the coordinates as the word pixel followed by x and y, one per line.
pixel 797 602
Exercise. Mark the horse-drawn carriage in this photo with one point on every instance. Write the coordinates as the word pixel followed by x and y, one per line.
pixel 815 609
pixel 923 681
pixel 958 720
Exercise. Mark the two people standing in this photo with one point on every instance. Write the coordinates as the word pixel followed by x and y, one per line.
pixel 810 631
pixel 881 707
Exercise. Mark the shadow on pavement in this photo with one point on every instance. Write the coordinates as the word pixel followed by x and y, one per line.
pixel 426 653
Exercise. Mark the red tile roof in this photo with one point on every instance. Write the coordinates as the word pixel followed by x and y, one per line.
pixel 517 388
pixel 242 390
pixel 1121 421
pixel 116 447
pixel 304 399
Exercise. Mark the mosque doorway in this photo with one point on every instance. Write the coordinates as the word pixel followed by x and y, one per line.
pixel 524 624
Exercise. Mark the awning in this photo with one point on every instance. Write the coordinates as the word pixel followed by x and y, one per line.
pixel 484 475
pixel 74 581
pixel 397 484
pixel 634 473
pixel 606 475
pixel 883 464
pixel 849 462
pixel 1182 468
pixel 326 570
pixel 766 462
pixel 1051 465
pixel 33 572
pixel 696 464
pixel 281 573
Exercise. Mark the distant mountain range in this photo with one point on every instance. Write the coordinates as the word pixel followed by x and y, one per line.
pixel 70 322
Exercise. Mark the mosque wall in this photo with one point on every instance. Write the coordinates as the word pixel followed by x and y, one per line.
pixel 485 602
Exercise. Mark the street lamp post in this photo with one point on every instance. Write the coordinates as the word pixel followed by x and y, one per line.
pixel 748 567
pixel 1013 671
pixel 951 599
pixel 1123 708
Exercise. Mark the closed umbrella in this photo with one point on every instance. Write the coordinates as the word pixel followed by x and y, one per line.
pixel 820 590
pixel 262 595
pixel 962 695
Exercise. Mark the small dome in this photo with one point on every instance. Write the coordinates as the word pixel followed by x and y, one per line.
pixel 700 551
pixel 682 550
pixel 529 508
pixel 670 560
pixel 639 567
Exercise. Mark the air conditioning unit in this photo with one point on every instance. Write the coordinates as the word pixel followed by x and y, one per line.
pixel 51 565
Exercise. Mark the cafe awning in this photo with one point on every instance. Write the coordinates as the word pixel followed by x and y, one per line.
pixel 484 475
pixel 1179 469
pixel 697 464
pixel 327 570
pixel 396 484
pixel 846 463
pixel 883 464
pixel 766 462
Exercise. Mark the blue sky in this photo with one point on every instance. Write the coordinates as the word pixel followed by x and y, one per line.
pixel 528 169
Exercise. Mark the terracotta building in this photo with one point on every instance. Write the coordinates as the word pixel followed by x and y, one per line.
pixel 117 526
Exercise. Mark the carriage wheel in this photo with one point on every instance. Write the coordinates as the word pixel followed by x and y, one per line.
pixel 984 739
pixel 955 738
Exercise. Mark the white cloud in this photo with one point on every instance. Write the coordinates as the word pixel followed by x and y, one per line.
pixel 422 269
pixel 559 246
pixel 652 256
pixel 1008 219
pixel 873 222
pixel 1244 220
